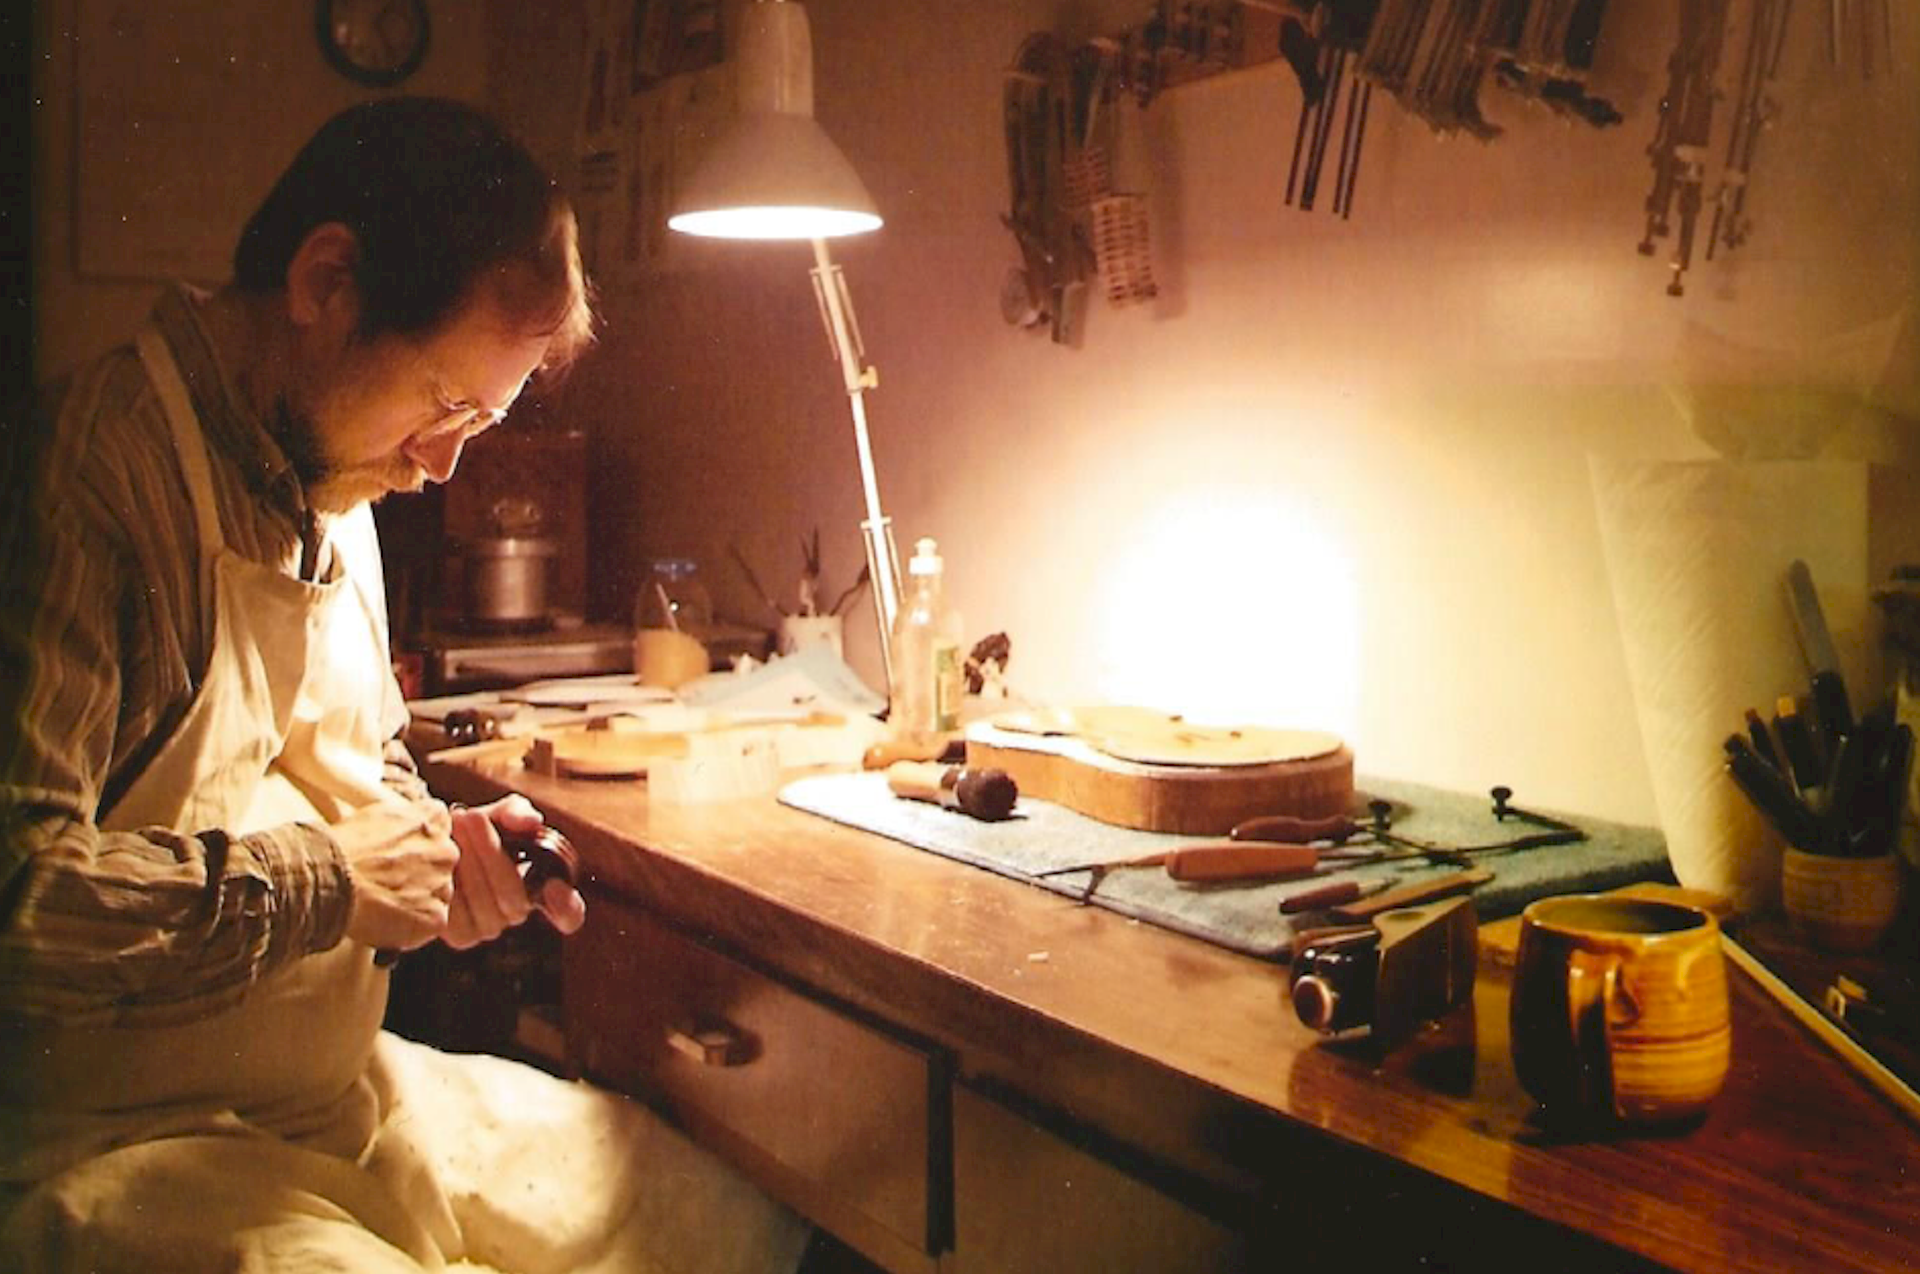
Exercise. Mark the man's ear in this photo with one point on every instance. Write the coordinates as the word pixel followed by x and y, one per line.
pixel 320 277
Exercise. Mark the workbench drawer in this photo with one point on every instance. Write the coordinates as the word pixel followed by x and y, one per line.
pixel 840 1119
pixel 1028 1200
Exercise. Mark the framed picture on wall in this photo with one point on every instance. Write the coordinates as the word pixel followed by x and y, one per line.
pixel 671 37
pixel 654 94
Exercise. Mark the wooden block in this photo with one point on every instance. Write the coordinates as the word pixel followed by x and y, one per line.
pixel 718 767
pixel 594 753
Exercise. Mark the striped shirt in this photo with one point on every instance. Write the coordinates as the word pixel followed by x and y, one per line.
pixel 104 635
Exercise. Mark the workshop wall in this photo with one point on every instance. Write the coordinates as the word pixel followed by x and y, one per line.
pixel 158 126
pixel 1337 474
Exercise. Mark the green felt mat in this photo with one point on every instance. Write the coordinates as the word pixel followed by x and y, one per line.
pixel 1243 917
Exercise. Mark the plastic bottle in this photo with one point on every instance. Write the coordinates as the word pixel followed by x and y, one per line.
pixel 926 652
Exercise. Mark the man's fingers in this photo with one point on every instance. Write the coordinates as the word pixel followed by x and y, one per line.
pixel 460 931
pixel 490 880
pixel 565 909
pixel 516 813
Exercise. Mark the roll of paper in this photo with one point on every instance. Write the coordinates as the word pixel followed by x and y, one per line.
pixel 1697 554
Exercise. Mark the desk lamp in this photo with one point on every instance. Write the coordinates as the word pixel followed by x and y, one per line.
pixel 774 174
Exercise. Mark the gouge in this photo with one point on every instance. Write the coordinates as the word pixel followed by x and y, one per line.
pixel 1226 860
pixel 1412 895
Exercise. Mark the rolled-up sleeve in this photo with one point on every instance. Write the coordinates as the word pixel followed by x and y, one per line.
pixel 98 925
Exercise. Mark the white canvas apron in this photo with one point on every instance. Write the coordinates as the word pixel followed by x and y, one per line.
pixel 284 727
pixel 288 1132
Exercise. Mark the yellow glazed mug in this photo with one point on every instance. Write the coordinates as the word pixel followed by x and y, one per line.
pixel 1619 1008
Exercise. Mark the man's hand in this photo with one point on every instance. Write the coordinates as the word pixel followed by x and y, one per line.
pixel 402 858
pixel 489 895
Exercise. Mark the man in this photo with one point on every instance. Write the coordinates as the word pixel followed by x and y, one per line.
pixel 209 824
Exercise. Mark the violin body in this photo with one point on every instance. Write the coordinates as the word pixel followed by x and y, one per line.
pixel 1154 771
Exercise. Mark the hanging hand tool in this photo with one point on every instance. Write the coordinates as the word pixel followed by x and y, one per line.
pixel 1353 136
pixel 1333 65
pixel 1754 109
pixel 1037 106
pixel 1322 67
pixel 1680 139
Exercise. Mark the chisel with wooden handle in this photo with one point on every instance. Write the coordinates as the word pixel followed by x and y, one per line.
pixel 1335 893
pixel 1290 829
pixel 1412 895
pixel 1227 860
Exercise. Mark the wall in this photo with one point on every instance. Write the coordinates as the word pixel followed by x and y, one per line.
pixel 1335 475
pixel 244 84
pixel 1338 473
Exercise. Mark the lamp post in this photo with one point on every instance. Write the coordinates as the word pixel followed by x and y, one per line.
pixel 775 174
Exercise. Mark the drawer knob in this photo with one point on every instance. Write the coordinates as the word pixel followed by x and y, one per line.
pixel 711 1043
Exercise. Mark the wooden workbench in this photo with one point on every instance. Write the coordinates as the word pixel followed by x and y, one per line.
pixel 1180 1068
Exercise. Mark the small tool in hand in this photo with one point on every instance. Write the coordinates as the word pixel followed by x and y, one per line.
pixel 545 854
pixel 988 795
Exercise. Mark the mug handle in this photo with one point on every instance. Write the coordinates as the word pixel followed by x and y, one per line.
pixel 1593 982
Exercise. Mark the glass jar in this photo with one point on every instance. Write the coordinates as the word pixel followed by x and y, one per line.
pixel 672 617
pixel 673 596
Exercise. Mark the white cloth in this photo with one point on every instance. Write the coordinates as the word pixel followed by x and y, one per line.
pixel 289 1134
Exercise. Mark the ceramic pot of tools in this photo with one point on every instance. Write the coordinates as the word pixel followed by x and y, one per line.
pixel 1840 903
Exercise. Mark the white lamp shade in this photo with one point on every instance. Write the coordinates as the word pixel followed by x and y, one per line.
pixel 774 174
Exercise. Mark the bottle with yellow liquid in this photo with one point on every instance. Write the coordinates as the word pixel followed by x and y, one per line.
pixel 927 680
pixel 671 618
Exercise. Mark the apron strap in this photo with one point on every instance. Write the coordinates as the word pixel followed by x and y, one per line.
pixel 188 440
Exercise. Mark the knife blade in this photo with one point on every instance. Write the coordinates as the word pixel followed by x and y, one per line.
pixel 1816 644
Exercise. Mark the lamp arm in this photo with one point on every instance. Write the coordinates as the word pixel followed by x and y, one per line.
pixel 883 560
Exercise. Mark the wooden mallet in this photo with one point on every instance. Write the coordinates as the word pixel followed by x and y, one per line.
pixel 987 795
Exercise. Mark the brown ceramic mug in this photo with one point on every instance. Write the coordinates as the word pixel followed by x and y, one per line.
pixel 1620 1008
